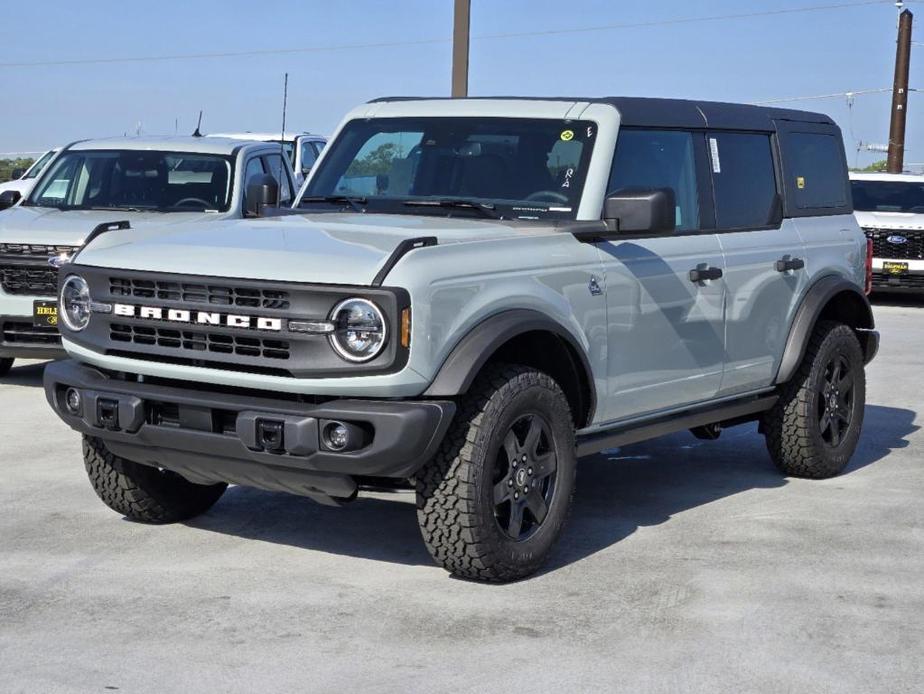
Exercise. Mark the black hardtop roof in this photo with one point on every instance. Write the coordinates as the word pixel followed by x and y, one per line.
pixel 675 113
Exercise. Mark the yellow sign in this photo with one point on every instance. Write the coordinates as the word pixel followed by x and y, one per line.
pixel 800 182
pixel 567 135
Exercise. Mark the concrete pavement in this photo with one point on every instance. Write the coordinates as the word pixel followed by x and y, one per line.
pixel 686 566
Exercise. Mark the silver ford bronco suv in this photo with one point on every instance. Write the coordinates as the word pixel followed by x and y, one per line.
pixel 140 183
pixel 471 295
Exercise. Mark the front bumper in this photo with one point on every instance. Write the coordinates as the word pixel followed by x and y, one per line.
pixel 219 436
pixel 19 338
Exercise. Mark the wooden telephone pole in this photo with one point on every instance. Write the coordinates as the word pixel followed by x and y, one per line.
pixel 896 161
pixel 460 41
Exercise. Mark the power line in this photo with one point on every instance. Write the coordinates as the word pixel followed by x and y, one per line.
pixel 423 42
pixel 835 95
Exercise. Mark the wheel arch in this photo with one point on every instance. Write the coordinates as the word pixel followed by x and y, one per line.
pixel 529 338
pixel 830 298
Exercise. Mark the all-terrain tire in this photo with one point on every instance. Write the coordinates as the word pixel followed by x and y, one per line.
pixel 462 524
pixel 800 440
pixel 5 366
pixel 144 493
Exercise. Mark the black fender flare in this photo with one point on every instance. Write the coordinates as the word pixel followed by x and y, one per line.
pixel 813 303
pixel 472 352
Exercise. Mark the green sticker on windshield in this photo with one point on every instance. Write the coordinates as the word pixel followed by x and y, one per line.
pixel 567 135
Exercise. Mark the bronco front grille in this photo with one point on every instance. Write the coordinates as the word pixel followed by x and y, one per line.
pixel 195 293
pixel 912 249
pixel 201 342
pixel 24 268
pixel 23 333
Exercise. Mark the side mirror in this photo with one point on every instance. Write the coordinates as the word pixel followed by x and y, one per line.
pixel 262 191
pixel 16 174
pixel 640 211
pixel 8 198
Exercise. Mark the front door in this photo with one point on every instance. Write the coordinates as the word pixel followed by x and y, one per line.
pixel 666 326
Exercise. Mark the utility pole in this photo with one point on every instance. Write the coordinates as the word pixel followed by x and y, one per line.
pixel 460 41
pixel 896 161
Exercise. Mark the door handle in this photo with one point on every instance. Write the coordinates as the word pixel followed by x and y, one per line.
pixel 703 272
pixel 787 263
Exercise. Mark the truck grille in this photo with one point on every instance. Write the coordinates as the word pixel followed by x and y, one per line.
pixel 233 324
pixel 195 341
pixel 23 333
pixel 24 268
pixel 190 293
pixel 912 250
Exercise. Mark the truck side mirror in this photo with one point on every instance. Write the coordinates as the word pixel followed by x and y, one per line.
pixel 16 174
pixel 262 191
pixel 640 211
pixel 8 198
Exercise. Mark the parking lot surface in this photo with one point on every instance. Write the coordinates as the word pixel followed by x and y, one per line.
pixel 686 566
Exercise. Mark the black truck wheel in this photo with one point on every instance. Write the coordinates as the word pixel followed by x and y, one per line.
pixel 493 500
pixel 144 493
pixel 5 366
pixel 813 429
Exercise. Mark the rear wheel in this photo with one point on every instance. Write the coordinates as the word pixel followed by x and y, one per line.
pixel 493 500
pixel 5 366
pixel 144 493
pixel 813 429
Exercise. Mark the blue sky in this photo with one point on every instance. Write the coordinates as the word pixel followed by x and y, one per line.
pixel 736 60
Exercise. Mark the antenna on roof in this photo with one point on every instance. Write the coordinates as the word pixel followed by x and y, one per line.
pixel 282 139
pixel 198 125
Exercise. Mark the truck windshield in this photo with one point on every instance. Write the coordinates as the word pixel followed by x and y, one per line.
pixel 38 166
pixel 888 196
pixel 136 180
pixel 520 168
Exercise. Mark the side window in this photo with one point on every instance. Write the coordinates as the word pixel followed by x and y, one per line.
pixel 659 159
pixel 309 156
pixel 277 170
pixel 253 169
pixel 814 165
pixel 744 179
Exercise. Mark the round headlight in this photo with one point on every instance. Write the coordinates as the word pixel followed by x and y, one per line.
pixel 359 332
pixel 75 303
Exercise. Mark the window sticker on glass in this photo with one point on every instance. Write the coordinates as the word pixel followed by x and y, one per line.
pixel 567 135
pixel 714 151
pixel 800 182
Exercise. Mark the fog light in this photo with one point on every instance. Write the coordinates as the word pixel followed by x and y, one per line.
pixel 338 436
pixel 72 401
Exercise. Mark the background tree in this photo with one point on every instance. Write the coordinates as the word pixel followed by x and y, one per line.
pixel 8 165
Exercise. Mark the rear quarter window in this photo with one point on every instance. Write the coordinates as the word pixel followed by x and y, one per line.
pixel 816 172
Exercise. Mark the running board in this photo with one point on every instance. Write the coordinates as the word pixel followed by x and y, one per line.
pixel 737 412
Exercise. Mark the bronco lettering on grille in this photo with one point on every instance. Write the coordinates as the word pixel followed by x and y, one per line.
pixel 176 315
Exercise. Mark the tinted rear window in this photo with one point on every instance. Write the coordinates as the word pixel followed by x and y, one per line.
pixel 744 179
pixel 814 163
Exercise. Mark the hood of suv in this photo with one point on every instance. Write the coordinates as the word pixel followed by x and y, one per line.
pixel 43 225
pixel 908 221
pixel 327 248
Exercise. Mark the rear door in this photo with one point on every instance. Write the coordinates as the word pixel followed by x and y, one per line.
pixel 764 257
pixel 665 331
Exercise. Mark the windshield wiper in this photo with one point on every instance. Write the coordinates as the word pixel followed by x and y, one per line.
pixel 485 208
pixel 353 201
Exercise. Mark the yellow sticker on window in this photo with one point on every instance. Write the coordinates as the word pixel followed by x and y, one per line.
pixel 567 135
pixel 800 182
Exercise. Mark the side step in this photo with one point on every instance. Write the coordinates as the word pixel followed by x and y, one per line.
pixel 738 412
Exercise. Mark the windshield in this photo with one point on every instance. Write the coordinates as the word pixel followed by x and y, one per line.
pixel 38 166
pixel 136 180
pixel 888 196
pixel 520 168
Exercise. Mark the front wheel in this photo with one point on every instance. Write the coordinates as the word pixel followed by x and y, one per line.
pixel 813 429
pixel 5 366
pixel 144 493
pixel 494 498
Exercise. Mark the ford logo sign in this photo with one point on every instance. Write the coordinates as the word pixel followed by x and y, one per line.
pixel 59 260
pixel 896 239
